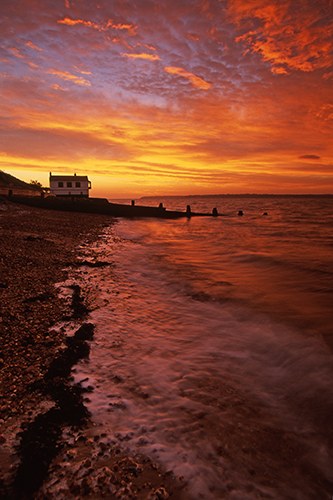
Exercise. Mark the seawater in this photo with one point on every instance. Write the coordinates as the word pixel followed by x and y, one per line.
pixel 213 345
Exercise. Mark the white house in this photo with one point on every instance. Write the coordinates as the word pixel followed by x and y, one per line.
pixel 70 185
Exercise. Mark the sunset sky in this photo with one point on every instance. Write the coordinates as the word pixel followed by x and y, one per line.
pixel 169 96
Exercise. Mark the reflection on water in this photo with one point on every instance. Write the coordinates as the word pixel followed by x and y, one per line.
pixel 281 263
pixel 209 355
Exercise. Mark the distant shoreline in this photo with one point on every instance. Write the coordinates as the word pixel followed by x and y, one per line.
pixel 248 195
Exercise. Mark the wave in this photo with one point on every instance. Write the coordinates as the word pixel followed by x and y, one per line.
pixel 213 390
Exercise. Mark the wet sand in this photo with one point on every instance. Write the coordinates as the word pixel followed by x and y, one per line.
pixel 44 451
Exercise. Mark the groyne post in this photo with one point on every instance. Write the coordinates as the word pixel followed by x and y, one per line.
pixel 188 211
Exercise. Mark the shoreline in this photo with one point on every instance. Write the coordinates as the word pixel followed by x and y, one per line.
pixel 42 413
pixel 36 249
pixel 49 445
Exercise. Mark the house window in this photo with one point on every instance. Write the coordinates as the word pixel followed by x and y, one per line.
pixel 60 184
pixel 69 184
pixel 78 184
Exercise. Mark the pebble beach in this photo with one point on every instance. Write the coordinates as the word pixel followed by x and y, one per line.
pixel 43 451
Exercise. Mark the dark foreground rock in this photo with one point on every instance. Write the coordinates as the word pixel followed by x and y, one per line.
pixel 40 440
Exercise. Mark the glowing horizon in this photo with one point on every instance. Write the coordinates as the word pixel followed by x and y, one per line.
pixel 211 96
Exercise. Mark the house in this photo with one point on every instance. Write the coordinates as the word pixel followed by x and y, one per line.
pixel 11 186
pixel 70 185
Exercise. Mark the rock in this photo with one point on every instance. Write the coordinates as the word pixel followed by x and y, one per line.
pixel 71 454
pixel 33 238
pixel 85 332
pixel 158 494
pixel 79 308
pixel 97 263
pixel 38 298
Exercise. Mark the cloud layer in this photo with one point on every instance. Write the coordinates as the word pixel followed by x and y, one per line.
pixel 209 96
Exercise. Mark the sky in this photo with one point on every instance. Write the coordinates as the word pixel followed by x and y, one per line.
pixel 152 97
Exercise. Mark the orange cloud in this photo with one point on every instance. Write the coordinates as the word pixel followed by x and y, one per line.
pixel 64 75
pixel 17 53
pixel 279 70
pixel 148 46
pixel 287 39
pixel 141 148
pixel 82 71
pixel 194 79
pixel 120 26
pixel 33 46
pixel 56 86
pixel 32 65
pixel 309 157
pixel 148 57
pixel 156 131
pixel 73 22
pixel 99 27
pixel 23 57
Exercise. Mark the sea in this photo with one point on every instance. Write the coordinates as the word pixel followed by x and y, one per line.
pixel 213 351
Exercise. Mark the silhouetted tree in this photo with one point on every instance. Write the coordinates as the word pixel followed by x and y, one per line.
pixel 36 183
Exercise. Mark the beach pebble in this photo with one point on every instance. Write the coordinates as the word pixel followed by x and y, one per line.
pixel 158 494
pixel 71 454
pixel 87 463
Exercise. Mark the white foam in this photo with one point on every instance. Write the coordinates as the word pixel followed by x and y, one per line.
pixel 162 362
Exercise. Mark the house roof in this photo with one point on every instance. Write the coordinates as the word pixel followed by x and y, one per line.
pixel 7 180
pixel 68 177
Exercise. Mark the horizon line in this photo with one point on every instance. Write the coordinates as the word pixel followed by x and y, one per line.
pixel 234 194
